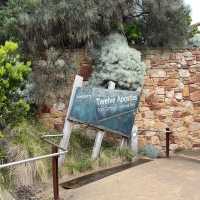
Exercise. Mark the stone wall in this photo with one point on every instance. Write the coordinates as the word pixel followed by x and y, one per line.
pixel 171 98
pixel 53 115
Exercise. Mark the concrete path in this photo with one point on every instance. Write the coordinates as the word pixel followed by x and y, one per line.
pixel 163 179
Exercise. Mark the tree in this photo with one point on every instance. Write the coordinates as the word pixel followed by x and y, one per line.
pixel 13 74
pixel 117 62
pixel 74 23
pixel 166 23
pixel 71 23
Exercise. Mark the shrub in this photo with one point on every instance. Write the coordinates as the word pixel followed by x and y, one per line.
pixel 50 76
pixel 20 142
pixel 13 75
pixel 41 23
pixel 195 41
pixel 166 23
pixel 133 32
pixel 116 61
pixel 151 151
pixel 10 17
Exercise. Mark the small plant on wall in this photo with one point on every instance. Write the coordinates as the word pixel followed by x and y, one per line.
pixel 116 61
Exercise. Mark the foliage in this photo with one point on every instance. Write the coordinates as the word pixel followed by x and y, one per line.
pixel 10 15
pixel 117 62
pixel 151 151
pixel 194 31
pixel 23 141
pixel 195 41
pixel 13 75
pixel 166 23
pixel 133 32
pixel 73 23
pixel 50 76
pixel 126 154
pixel 42 23
pixel 79 156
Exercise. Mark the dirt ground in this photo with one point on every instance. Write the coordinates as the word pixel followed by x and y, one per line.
pixel 162 179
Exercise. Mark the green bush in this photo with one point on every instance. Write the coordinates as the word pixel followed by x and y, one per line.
pixel 20 142
pixel 133 32
pixel 195 41
pixel 12 18
pixel 13 75
pixel 151 151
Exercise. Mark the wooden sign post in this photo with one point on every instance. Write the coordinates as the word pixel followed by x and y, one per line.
pixel 109 110
pixel 68 126
pixel 134 140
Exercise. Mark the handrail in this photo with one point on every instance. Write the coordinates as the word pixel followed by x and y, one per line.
pixel 152 130
pixel 48 136
pixel 32 159
pixel 52 143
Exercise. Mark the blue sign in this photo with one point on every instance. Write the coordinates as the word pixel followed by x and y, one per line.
pixel 109 110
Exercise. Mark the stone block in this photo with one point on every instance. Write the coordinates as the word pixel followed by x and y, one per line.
pixel 158 73
pixel 175 103
pixel 179 96
pixel 177 114
pixel 195 78
pixel 188 54
pixel 198 58
pixel 169 83
pixel 186 91
pixel 191 62
pixel 184 73
pixel 195 96
pixel 194 126
pixel 149 115
pixel 197 118
pixel 148 82
pixel 172 75
pixel 155 140
pixel 160 91
pixel 170 94
pixel 196 52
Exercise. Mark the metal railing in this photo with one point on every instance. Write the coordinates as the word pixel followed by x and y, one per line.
pixel 54 155
pixel 31 159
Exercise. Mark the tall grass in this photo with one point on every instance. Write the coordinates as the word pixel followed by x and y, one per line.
pixel 79 157
pixel 24 142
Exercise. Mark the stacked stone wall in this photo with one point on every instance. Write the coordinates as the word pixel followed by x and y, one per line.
pixel 171 98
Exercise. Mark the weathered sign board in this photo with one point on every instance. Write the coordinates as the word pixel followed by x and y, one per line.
pixel 109 110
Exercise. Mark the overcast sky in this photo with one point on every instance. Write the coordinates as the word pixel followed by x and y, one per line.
pixel 195 5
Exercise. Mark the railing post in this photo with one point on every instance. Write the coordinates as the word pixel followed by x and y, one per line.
pixel 168 132
pixel 55 173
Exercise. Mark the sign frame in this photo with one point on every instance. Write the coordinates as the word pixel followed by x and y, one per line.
pixel 112 115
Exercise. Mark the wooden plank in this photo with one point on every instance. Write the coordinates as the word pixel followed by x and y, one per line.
pixel 55 174
pixel 68 125
pixel 134 140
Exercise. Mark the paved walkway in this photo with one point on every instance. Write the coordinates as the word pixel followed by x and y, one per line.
pixel 163 179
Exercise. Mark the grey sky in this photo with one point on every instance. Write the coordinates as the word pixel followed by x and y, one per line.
pixel 195 5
